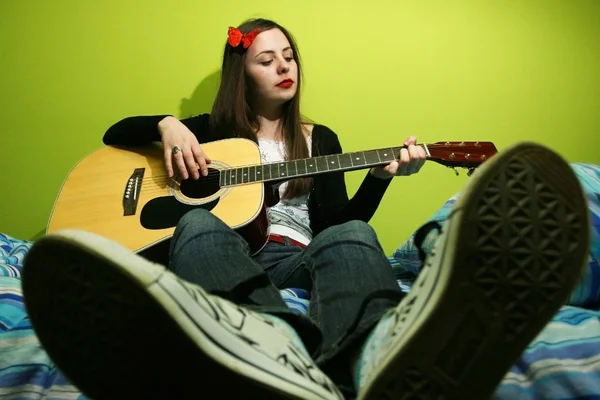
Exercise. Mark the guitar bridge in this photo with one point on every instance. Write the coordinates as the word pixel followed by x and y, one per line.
pixel 132 192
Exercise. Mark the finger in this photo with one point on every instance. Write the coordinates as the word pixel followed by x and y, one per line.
pixel 418 156
pixel 410 140
pixel 422 156
pixel 409 168
pixel 178 158
pixel 190 162
pixel 168 164
pixel 200 158
pixel 404 157
pixel 392 168
pixel 413 152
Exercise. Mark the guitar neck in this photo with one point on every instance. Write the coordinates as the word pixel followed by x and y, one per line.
pixel 310 166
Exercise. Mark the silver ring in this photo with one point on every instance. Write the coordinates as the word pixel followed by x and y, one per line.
pixel 176 150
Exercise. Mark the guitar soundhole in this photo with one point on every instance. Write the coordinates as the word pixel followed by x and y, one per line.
pixel 202 187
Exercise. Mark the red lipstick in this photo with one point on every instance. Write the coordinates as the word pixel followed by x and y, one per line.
pixel 286 83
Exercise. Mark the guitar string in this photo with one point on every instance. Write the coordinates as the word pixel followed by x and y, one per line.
pixel 303 159
pixel 216 174
pixel 213 176
pixel 161 184
pixel 157 188
pixel 286 161
pixel 298 160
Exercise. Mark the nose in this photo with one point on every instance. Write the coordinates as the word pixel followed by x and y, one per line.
pixel 284 67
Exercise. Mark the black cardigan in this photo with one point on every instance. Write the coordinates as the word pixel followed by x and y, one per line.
pixel 328 202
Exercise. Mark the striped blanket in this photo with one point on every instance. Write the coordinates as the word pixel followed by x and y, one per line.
pixel 563 362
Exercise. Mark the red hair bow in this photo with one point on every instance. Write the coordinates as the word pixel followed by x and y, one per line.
pixel 236 37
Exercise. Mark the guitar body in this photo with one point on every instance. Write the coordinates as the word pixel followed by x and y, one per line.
pixel 126 195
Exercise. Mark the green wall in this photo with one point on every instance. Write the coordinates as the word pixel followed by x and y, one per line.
pixel 375 72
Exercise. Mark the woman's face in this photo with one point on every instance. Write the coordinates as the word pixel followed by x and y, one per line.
pixel 271 67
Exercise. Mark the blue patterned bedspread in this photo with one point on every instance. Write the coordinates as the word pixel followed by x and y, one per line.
pixel 563 362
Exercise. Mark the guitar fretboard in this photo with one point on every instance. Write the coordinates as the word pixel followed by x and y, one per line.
pixel 307 167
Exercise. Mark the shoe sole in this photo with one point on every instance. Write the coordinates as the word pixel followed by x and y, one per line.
pixel 112 329
pixel 509 255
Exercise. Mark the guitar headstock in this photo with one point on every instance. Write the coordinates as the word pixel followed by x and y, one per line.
pixel 461 154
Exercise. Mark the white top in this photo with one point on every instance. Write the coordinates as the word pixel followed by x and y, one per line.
pixel 289 217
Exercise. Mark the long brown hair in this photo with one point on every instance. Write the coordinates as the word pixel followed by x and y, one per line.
pixel 232 110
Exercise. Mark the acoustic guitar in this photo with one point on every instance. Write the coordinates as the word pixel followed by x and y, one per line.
pixel 126 195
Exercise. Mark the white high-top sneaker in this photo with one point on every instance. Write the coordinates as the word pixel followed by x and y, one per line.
pixel 509 255
pixel 119 326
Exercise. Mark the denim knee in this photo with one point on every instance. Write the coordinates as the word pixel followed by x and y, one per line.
pixel 355 230
pixel 199 221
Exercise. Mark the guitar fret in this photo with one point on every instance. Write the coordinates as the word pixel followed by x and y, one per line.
pixel 271 171
pixel 260 172
pixel 311 165
pixel 301 167
pixel 321 163
pixel 371 157
pixel 332 162
pixel 358 158
pixel 345 160
pixel 282 173
pixel 387 154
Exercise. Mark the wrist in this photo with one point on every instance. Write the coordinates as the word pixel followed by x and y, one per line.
pixel 379 173
pixel 163 123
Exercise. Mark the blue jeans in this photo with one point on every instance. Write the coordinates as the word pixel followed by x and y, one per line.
pixel 344 268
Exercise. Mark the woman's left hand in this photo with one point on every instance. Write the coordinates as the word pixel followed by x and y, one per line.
pixel 410 161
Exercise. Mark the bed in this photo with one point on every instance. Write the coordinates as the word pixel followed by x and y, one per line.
pixel 563 362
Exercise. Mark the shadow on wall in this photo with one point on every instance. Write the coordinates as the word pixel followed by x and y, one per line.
pixel 200 102
pixel 202 98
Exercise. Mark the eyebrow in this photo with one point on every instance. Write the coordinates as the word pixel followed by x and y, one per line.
pixel 272 51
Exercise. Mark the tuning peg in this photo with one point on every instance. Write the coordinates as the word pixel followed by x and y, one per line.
pixel 454 169
pixel 470 171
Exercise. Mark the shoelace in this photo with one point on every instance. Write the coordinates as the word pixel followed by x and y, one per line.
pixel 422 234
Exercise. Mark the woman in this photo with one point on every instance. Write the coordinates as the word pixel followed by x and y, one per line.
pixel 268 112
pixel 217 321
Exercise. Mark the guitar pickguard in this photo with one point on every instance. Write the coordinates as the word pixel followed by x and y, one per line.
pixel 165 212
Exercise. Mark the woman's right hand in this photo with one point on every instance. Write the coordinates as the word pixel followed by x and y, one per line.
pixel 188 155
